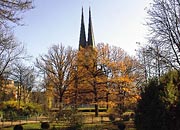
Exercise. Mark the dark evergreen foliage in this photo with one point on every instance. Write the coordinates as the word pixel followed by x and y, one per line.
pixel 121 126
pixel 18 127
pixel 45 125
pixel 158 108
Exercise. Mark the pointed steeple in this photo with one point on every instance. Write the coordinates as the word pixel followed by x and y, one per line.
pixel 90 41
pixel 82 38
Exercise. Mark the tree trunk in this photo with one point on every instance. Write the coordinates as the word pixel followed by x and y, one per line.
pixel 96 110
pixel 96 101
pixel 60 103
pixel 107 100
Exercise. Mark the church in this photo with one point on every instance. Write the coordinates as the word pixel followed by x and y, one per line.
pixel 86 47
pixel 83 42
pixel 84 88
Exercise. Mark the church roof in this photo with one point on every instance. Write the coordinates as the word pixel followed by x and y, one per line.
pixel 82 39
pixel 90 31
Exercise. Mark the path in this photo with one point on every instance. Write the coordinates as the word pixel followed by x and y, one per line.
pixel 13 123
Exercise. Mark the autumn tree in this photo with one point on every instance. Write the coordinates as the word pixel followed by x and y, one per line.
pixel 74 94
pixel 57 66
pixel 108 76
pixel 104 55
pixel 94 81
pixel 122 78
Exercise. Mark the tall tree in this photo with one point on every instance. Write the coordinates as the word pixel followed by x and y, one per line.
pixel 57 66
pixel 104 61
pixel 123 78
pixel 109 74
pixel 151 62
pixel 25 78
pixel 92 85
pixel 10 51
pixel 164 21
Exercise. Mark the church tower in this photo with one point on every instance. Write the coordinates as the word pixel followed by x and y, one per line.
pixel 82 39
pixel 90 41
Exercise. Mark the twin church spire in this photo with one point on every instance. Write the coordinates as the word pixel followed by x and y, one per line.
pixel 82 39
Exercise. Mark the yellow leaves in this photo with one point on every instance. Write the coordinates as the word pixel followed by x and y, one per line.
pixel 137 97
pixel 124 79
pixel 122 66
pixel 104 103
pixel 112 104
pixel 126 90
pixel 131 99
pixel 104 73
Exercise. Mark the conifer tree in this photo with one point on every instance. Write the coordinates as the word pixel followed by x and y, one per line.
pixel 159 104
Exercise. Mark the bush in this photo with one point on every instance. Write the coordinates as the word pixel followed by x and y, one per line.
pixel 121 125
pixel 75 127
pixel 54 128
pixel 18 127
pixel 126 117
pixel 158 107
pixel 112 117
pixel 45 125
pixel 11 109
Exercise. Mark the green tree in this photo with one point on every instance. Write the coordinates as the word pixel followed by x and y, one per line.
pixel 159 104
pixel 150 109
pixel 170 98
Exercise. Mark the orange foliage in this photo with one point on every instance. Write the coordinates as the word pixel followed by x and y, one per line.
pixel 104 76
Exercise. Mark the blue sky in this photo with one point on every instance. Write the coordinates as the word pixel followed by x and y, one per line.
pixel 116 22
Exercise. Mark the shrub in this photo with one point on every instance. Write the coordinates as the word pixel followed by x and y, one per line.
pixel 75 127
pixel 112 117
pixel 54 128
pixel 11 109
pixel 18 127
pixel 71 115
pixel 45 125
pixel 121 125
pixel 126 117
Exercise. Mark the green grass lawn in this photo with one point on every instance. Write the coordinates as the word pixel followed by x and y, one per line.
pixel 94 126
pixel 37 126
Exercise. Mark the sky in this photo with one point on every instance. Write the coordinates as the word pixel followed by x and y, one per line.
pixel 116 22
